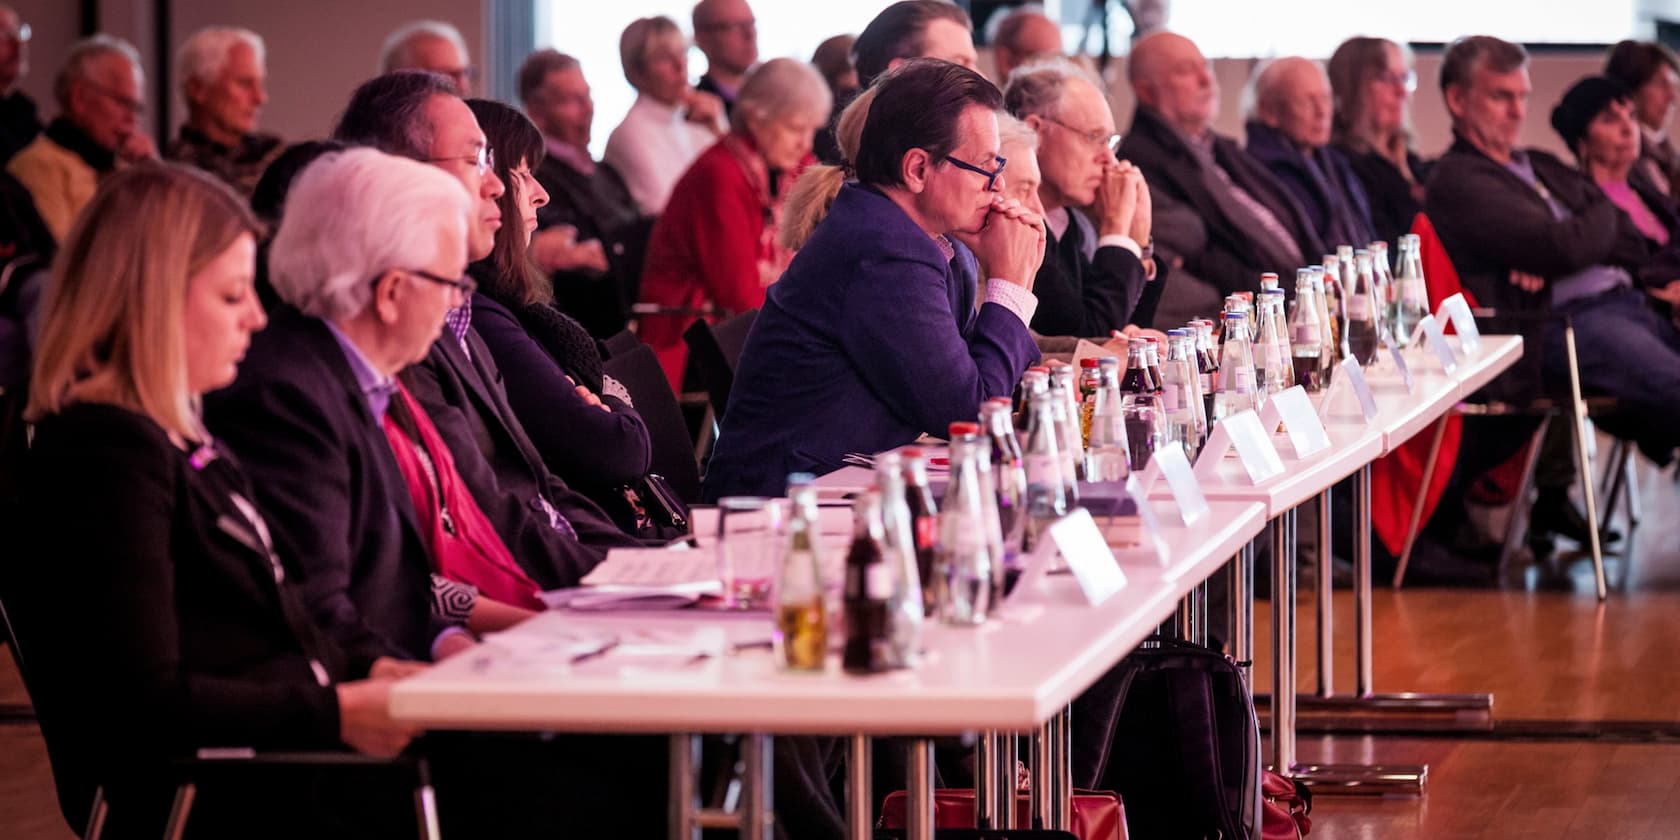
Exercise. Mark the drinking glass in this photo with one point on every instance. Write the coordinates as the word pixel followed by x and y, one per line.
pixel 750 530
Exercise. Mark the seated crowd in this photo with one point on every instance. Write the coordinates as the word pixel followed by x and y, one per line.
pixel 308 417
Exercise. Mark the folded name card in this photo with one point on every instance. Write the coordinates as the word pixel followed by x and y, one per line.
pixel 1293 409
pixel 1241 431
pixel 1431 330
pixel 1087 555
pixel 1457 309
pixel 1171 463
pixel 1400 365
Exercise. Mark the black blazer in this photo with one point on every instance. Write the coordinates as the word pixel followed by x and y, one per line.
pixel 335 498
pixel 150 617
pixel 503 469
pixel 1491 222
pixel 1085 297
pixel 1228 260
pixel 600 207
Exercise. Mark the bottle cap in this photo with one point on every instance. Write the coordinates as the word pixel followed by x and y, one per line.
pixel 796 479
pixel 1088 362
pixel 963 429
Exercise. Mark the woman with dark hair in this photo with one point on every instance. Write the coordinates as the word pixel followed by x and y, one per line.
pixel 580 419
pixel 871 337
pixel 1371 83
pixel 1651 73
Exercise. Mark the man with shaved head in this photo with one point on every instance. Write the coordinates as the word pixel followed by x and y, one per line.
pixel 1252 224
pixel 727 32
pixel 1020 35
pixel 1289 131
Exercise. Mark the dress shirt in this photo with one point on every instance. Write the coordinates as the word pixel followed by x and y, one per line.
pixel 377 387
pixel 1059 219
pixel 653 147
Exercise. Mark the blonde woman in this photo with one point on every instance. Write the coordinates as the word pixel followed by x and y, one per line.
pixel 157 616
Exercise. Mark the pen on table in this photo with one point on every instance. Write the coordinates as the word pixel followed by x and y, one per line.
pixel 596 653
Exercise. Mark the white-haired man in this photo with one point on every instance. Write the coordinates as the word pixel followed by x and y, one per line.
pixel 101 95
pixel 223 82
pixel 434 46
pixel 1020 35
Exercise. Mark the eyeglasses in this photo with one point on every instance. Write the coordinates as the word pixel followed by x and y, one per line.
pixel 1407 80
pixel 483 159
pixel 991 174
pixel 129 104
pixel 465 285
pixel 1094 138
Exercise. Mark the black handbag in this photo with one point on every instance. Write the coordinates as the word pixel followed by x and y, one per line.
pixel 655 511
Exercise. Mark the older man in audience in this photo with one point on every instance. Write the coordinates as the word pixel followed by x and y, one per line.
pixel 1290 134
pixel 1252 225
pixel 726 32
pixel 19 121
pixel 592 235
pixel 1019 35
pixel 556 533
pixel 1094 269
pixel 671 122
pixel 1528 233
pixel 101 95
pixel 223 83
pixel 430 45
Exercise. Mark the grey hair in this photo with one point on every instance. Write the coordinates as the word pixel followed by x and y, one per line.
pixel 81 56
pixel 638 40
pixel 389 113
pixel 536 69
pixel 394 55
pixel 1036 87
pixel 354 215
pixel 1013 132
pixel 1262 93
pixel 206 52
pixel 782 86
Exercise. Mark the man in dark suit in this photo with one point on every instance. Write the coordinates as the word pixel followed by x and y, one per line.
pixel 727 33
pixel 1290 134
pixel 1094 269
pixel 555 533
pixel 591 234
pixel 1530 234
pixel 1252 224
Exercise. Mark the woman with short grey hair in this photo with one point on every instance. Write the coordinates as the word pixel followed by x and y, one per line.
pixel 670 123
pixel 714 249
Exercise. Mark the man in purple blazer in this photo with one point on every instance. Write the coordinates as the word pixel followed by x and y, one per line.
pixel 871 338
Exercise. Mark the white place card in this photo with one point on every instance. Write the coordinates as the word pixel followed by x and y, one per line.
pixel 1400 365
pixel 1150 545
pixel 1243 432
pixel 1431 330
pixel 1457 309
pixel 1355 377
pixel 1293 409
pixel 1171 463
pixel 1087 555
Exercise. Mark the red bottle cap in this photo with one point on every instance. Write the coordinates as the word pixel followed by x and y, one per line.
pixel 959 429
pixel 1088 362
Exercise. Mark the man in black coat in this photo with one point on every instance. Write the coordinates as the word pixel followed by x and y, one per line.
pixel 1252 224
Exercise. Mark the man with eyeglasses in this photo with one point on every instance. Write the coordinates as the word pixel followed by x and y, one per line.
pixel 19 121
pixel 1095 267
pixel 1245 222
pixel 1290 133
pixel 101 95
pixel 726 32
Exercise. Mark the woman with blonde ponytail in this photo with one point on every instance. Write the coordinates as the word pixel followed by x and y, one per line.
pixel 811 197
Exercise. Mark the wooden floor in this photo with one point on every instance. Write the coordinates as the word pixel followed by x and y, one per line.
pixel 1548 651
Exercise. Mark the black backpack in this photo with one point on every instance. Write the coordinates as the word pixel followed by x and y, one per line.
pixel 1172 730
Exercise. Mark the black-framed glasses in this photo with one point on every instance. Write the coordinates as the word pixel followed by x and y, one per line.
pixel 1094 138
pixel 127 103
pixel 991 174
pixel 483 160
pixel 465 285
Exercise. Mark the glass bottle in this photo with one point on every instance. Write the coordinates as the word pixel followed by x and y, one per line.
pixel 1008 474
pixel 1269 362
pixel 1152 359
pixel 1089 380
pixel 924 519
pixel 1328 355
pixel 1382 281
pixel 1333 305
pixel 866 597
pixel 963 570
pixel 1268 282
pixel 1362 326
pixel 1000 553
pixel 801 632
pixel 1280 330
pixel 1413 292
pixel 1304 339
pixel 898 551
pixel 1178 394
pixel 1139 379
pixel 1236 370
pixel 1106 458
pixel 1047 498
pixel 1035 378
pixel 1065 390
pixel 1207 364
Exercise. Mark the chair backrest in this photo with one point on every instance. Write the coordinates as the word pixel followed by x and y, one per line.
pixel 622 341
pixel 638 370
pixel 1438 272
pixel 715 350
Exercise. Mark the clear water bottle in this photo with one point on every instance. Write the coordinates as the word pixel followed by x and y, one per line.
pixel 1280 331
pixel 1047 499
pixel 1388 294
pixel 898 547
pixel 1413 292
pixel 1179 396
pixel 1106 459
pixel 963 566
pixel 1066 415
pixel 1328 353
pixel 1000 553
pixel 1271 364
pixel 1008 475
pixel 1236 370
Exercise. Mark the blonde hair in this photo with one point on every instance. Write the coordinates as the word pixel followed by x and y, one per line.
pixel 640 39
pixel 113 329
pixel 813 194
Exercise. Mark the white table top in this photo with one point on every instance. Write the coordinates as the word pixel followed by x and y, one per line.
pixel 1351 447
pixel 1011 674
pixel 1497 353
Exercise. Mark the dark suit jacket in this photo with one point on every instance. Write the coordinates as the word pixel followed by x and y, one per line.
pixel 324 475
pixel 1228 260
pixel 1393 204
pixel 1082 296
pixel 600 207
pixel 149 615
pixel 869 339
pixel 1491 222
pixel 503 469
pixel 1316 193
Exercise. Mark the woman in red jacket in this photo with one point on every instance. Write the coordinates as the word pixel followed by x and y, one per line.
pixel 714 247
